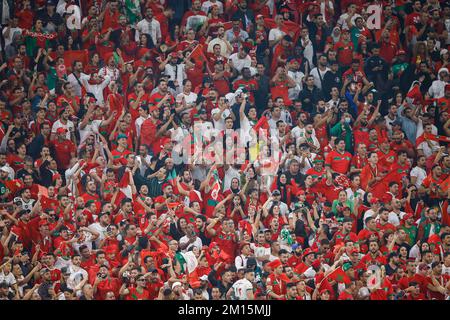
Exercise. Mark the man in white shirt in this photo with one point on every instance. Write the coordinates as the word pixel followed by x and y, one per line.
pixel 305 42
pixel 418 173
pixel 190 240
pixel 149 26
pixel 209 3
pixel 189 97
pixel 96 85
pixel 319 72
pixel 101 227
pixel 77 274
pixel 174 71
pixel 240 60
pixel 63 122
pixel 390 118
pixel 225 47
pixel 220 113
pixel 143 159
pixel 427 147
pixel 243 288
pixel 76 77
pixel 276 34
pixel 143 115
pixel 295 73
pixel 396 214
pixel 10 32
pixel 351 13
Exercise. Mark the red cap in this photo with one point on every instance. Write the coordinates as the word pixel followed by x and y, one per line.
pixel 307 252
pixel 153 108
pixel 259 16
pixel 400 52
pixel 61 130
pixel 165 140
pixel 407 216
pixel 56 176
pixel 275 264
pixel 166 185
pixel 43 223
pixel 324 290
pixel 354 250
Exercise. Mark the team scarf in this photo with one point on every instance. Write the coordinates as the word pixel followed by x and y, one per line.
pixel 32 38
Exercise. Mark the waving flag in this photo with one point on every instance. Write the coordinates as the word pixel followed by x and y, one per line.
pixel 288 27
pixel 340 276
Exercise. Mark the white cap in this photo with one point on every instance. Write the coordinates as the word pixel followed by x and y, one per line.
pixel 4 168
pixel 204 277
pixel 176 284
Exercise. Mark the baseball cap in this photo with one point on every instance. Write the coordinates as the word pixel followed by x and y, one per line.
pixel 204 277
pixel 176 284
pixel 202 111
pixel 121 136
pixel 318 158
pixel 4 169
pixel 347 265
pixel 276 192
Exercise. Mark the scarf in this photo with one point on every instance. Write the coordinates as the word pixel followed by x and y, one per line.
pixel 32 38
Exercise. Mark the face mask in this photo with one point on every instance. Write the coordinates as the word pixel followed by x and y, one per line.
pixel 309 131
pixel 347 120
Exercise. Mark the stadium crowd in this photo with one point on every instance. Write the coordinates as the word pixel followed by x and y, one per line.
pixel 104 106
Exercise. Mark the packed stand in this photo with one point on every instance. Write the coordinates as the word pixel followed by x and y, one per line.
pixel 346 197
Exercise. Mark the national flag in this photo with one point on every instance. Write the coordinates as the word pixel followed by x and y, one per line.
pixel 414 95
pixel 340 276
pixel 262 123
pixel 197 54
pixel 42 190
pixel 289 27
pixel 444 185
pixel 173 205
pixel 215 190
pixel 432 137
pixel 189 263
pixel 228 25
pixel 73 55
pixel 373 282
